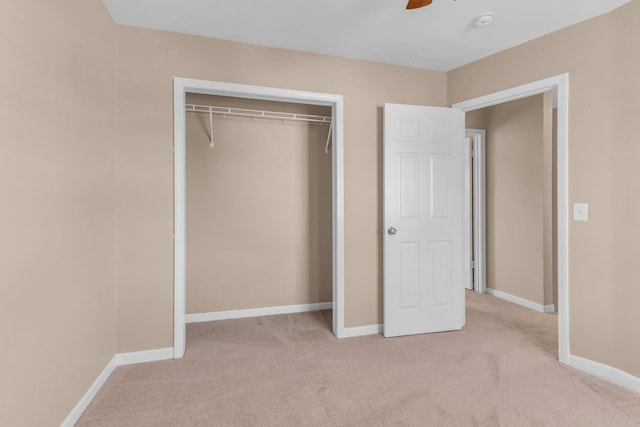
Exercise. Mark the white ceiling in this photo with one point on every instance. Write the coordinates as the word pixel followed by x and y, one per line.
pixel 441 37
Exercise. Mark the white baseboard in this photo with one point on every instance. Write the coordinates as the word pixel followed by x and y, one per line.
pixel 522 301
pixel 359 331
pixel 606 372
pixel 119 359
pixel 84 402
pixel 144 356
pixel 255 312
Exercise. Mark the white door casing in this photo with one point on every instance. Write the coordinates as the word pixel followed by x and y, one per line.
pixel 424 219
pixel 478 212
pixel 182 86
pixel 468 202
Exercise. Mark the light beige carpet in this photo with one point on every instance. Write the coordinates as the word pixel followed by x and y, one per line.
pixel 289 370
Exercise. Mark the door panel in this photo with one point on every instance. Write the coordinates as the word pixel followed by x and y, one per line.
pixel 439 189
pixel 423 219
pixel 409 185
pixel 441 266
pixel 409 275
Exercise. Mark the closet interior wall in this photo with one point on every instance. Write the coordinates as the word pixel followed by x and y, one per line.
pixel 259 218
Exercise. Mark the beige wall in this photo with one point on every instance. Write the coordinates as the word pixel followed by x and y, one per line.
pixel 514 196
pixel 57 175
pixel 625 186
pixel 258 209
pixel 146 63
pixel 603 60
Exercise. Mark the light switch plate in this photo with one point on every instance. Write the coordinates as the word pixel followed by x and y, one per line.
pixel 581 211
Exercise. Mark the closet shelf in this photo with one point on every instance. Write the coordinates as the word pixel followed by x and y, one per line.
pixel 243 112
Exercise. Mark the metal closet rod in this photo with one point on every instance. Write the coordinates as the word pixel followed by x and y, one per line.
pixel 243 112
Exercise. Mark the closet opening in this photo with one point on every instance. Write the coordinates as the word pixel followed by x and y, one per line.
pixel 258 204
pixel 258 208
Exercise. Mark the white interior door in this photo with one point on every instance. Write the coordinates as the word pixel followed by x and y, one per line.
pixel 424 219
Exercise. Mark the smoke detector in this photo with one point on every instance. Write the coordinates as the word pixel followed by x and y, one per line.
pixel 484 20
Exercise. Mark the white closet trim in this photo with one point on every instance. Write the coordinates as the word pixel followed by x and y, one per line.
pixel 182 86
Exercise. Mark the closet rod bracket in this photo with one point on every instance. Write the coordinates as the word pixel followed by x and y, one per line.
pixel 326 147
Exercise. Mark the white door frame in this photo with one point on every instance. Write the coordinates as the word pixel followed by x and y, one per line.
pixel 182 86
pixel 478 137
pixel 559 85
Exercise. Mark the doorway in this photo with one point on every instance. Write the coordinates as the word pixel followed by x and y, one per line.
pixel 519 200
pixel 559 87
pixel 182 86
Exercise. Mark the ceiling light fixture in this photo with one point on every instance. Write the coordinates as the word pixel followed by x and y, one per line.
pixel 484 19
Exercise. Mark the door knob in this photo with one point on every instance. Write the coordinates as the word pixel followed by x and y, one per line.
pixel 392 231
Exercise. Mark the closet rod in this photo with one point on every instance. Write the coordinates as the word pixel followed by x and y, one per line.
pixel 243 112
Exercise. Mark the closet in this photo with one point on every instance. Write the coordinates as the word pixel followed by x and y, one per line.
pixel 258 204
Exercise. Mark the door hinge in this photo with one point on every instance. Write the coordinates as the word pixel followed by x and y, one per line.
pixel 472 152
pixel 473 264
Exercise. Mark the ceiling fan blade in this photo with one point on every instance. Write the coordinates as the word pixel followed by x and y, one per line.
pixel 415 4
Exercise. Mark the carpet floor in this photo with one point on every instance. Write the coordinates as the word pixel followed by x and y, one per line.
pixel 289 370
